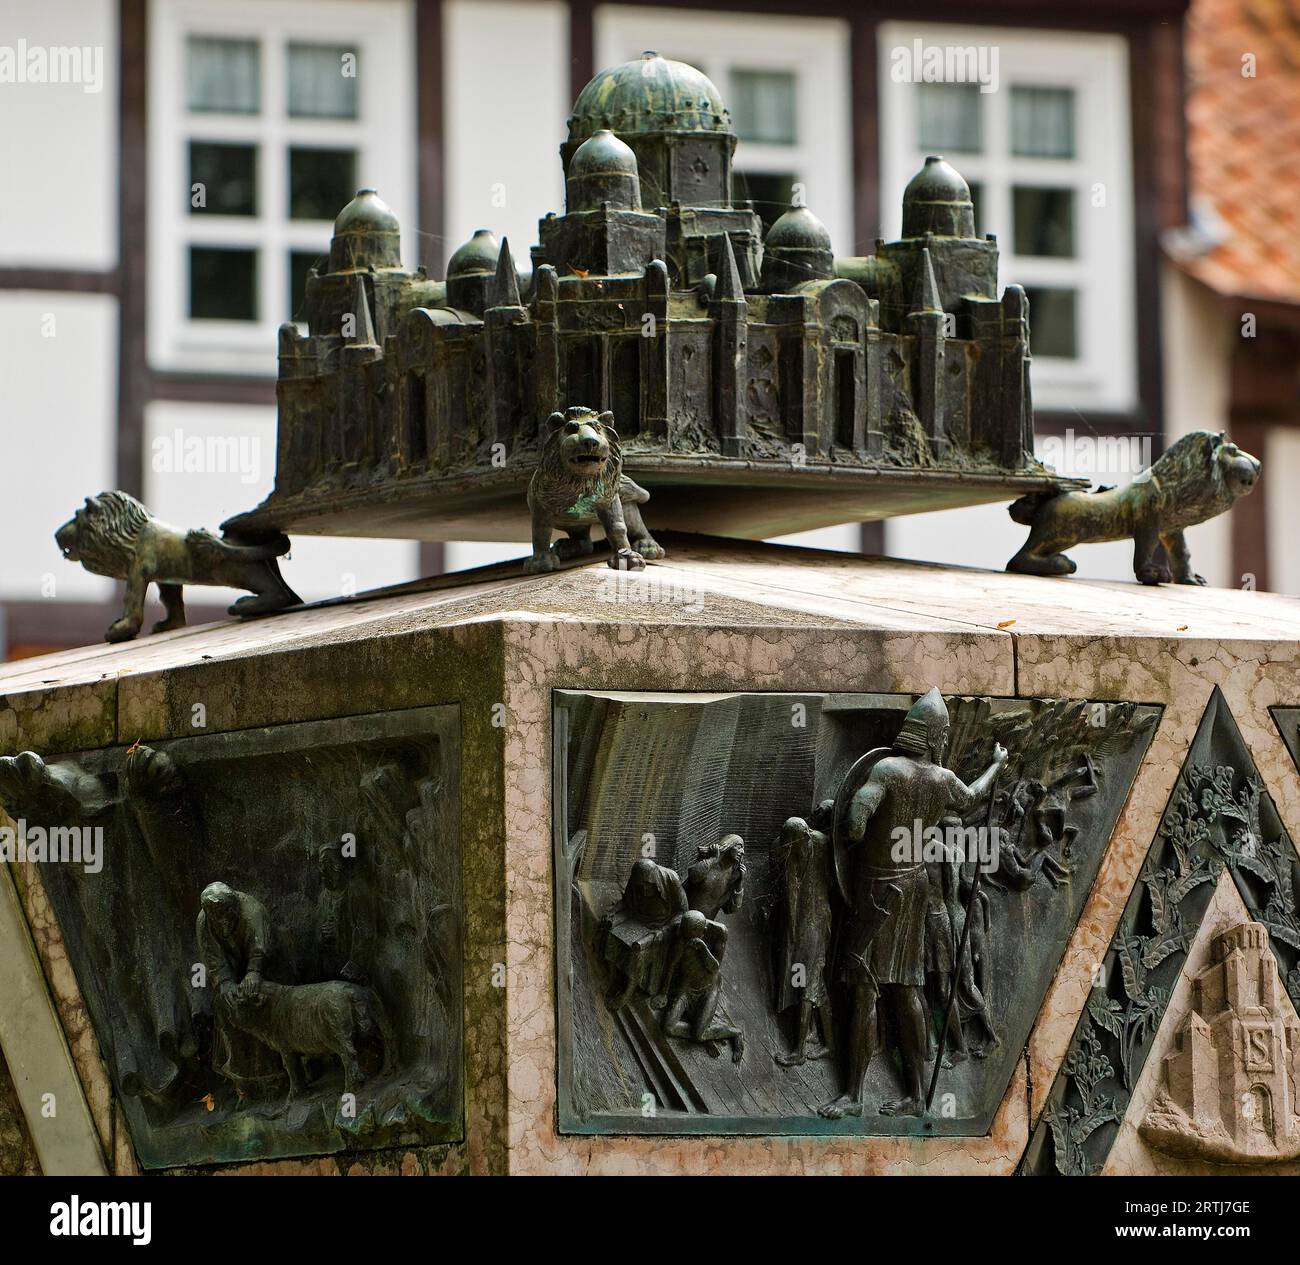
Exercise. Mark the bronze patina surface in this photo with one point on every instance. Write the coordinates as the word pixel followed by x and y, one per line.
pixel 761 384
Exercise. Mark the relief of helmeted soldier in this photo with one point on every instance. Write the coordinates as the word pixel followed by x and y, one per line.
pixel 882 945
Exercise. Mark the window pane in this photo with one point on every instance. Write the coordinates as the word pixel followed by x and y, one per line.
pixel 222 75
pixel 763 106
pixel 1052 322
pixel 949 118
pixel 321 182
pixel 227 179
pixel 1042 122
pixel 1044 221
pixel 223 284
pixel 300 264
pixel 322 81
pixel 769 191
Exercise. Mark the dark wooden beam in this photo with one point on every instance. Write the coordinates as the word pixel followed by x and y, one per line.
pixel 430 130
pixel 67 280
pixel 211 388
pixel 1144 104
pixel 1248 519
pixel 582 45
pixel 132 361
pixel 1082 15
pixel 864 104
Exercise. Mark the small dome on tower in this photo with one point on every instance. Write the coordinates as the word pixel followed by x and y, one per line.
pixel 366 235
pixel 651 94
pixel 797 248
pixel 602 154
pixel 797 229
pixel 478 255
pixel 937 200
pixel 603 169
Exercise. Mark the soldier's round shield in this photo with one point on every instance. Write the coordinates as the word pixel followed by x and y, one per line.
pixel 849 787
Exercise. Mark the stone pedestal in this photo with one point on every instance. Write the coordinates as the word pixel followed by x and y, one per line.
pixel 504 751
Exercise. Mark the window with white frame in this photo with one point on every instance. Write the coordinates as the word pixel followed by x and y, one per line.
pixel 264 120
pixel 1044 143
pixel 786 84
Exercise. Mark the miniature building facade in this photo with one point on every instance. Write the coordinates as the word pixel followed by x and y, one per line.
pixel 657 296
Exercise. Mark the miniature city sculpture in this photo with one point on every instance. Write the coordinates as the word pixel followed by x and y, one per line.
pixel 114 535
pixel 1228 1088
pixel 1198 477
pixel 579 483
pixel 760 384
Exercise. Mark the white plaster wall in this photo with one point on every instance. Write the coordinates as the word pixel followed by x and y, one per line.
pixel 58 142
pixel 319 566
pixel 502 161
pixel 503 167
pixel 1282 470
pixel 1197 351
pixel 58 367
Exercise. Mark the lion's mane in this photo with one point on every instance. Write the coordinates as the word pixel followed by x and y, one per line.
pixel 108 526
pixel 1189 473
pixel 557 489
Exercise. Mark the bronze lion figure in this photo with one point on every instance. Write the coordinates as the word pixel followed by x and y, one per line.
pixel 1198 477
pixel 578 483
pixel 113 534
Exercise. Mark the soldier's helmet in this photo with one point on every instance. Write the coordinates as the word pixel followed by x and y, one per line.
pixel 925 727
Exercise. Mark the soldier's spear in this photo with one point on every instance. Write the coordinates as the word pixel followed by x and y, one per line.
pixel 961 950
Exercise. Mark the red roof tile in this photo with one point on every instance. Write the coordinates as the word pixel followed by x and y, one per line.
pixel 1244 143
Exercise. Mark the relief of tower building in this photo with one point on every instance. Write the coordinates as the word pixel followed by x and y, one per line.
pixel 1230 1083
pixel 792 388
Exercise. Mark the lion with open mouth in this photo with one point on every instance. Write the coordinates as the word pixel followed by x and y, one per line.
pixel 579 483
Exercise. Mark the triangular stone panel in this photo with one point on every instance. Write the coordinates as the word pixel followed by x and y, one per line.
pixel 1219 819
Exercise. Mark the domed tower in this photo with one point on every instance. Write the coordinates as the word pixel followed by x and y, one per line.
pixel 366 235
pixel 603 230
pixel 602 172
pixel 673 119
pixel 937 200
pixel 470 272
pixel 797 248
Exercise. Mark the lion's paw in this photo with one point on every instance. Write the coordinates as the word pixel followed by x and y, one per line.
pixel 541 562
pixel 1153 574
pixel 650 549
pixel 627 560
pixel 121 630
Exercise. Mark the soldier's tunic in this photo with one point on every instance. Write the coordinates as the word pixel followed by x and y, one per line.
pixel 884 937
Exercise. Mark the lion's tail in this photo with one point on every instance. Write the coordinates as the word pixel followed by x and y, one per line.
pixel 1025 510
pixel 204 543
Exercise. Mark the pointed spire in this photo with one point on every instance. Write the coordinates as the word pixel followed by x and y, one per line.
pixel 364 332
pixel 505 285
pixel 926 295
pixel 729 287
